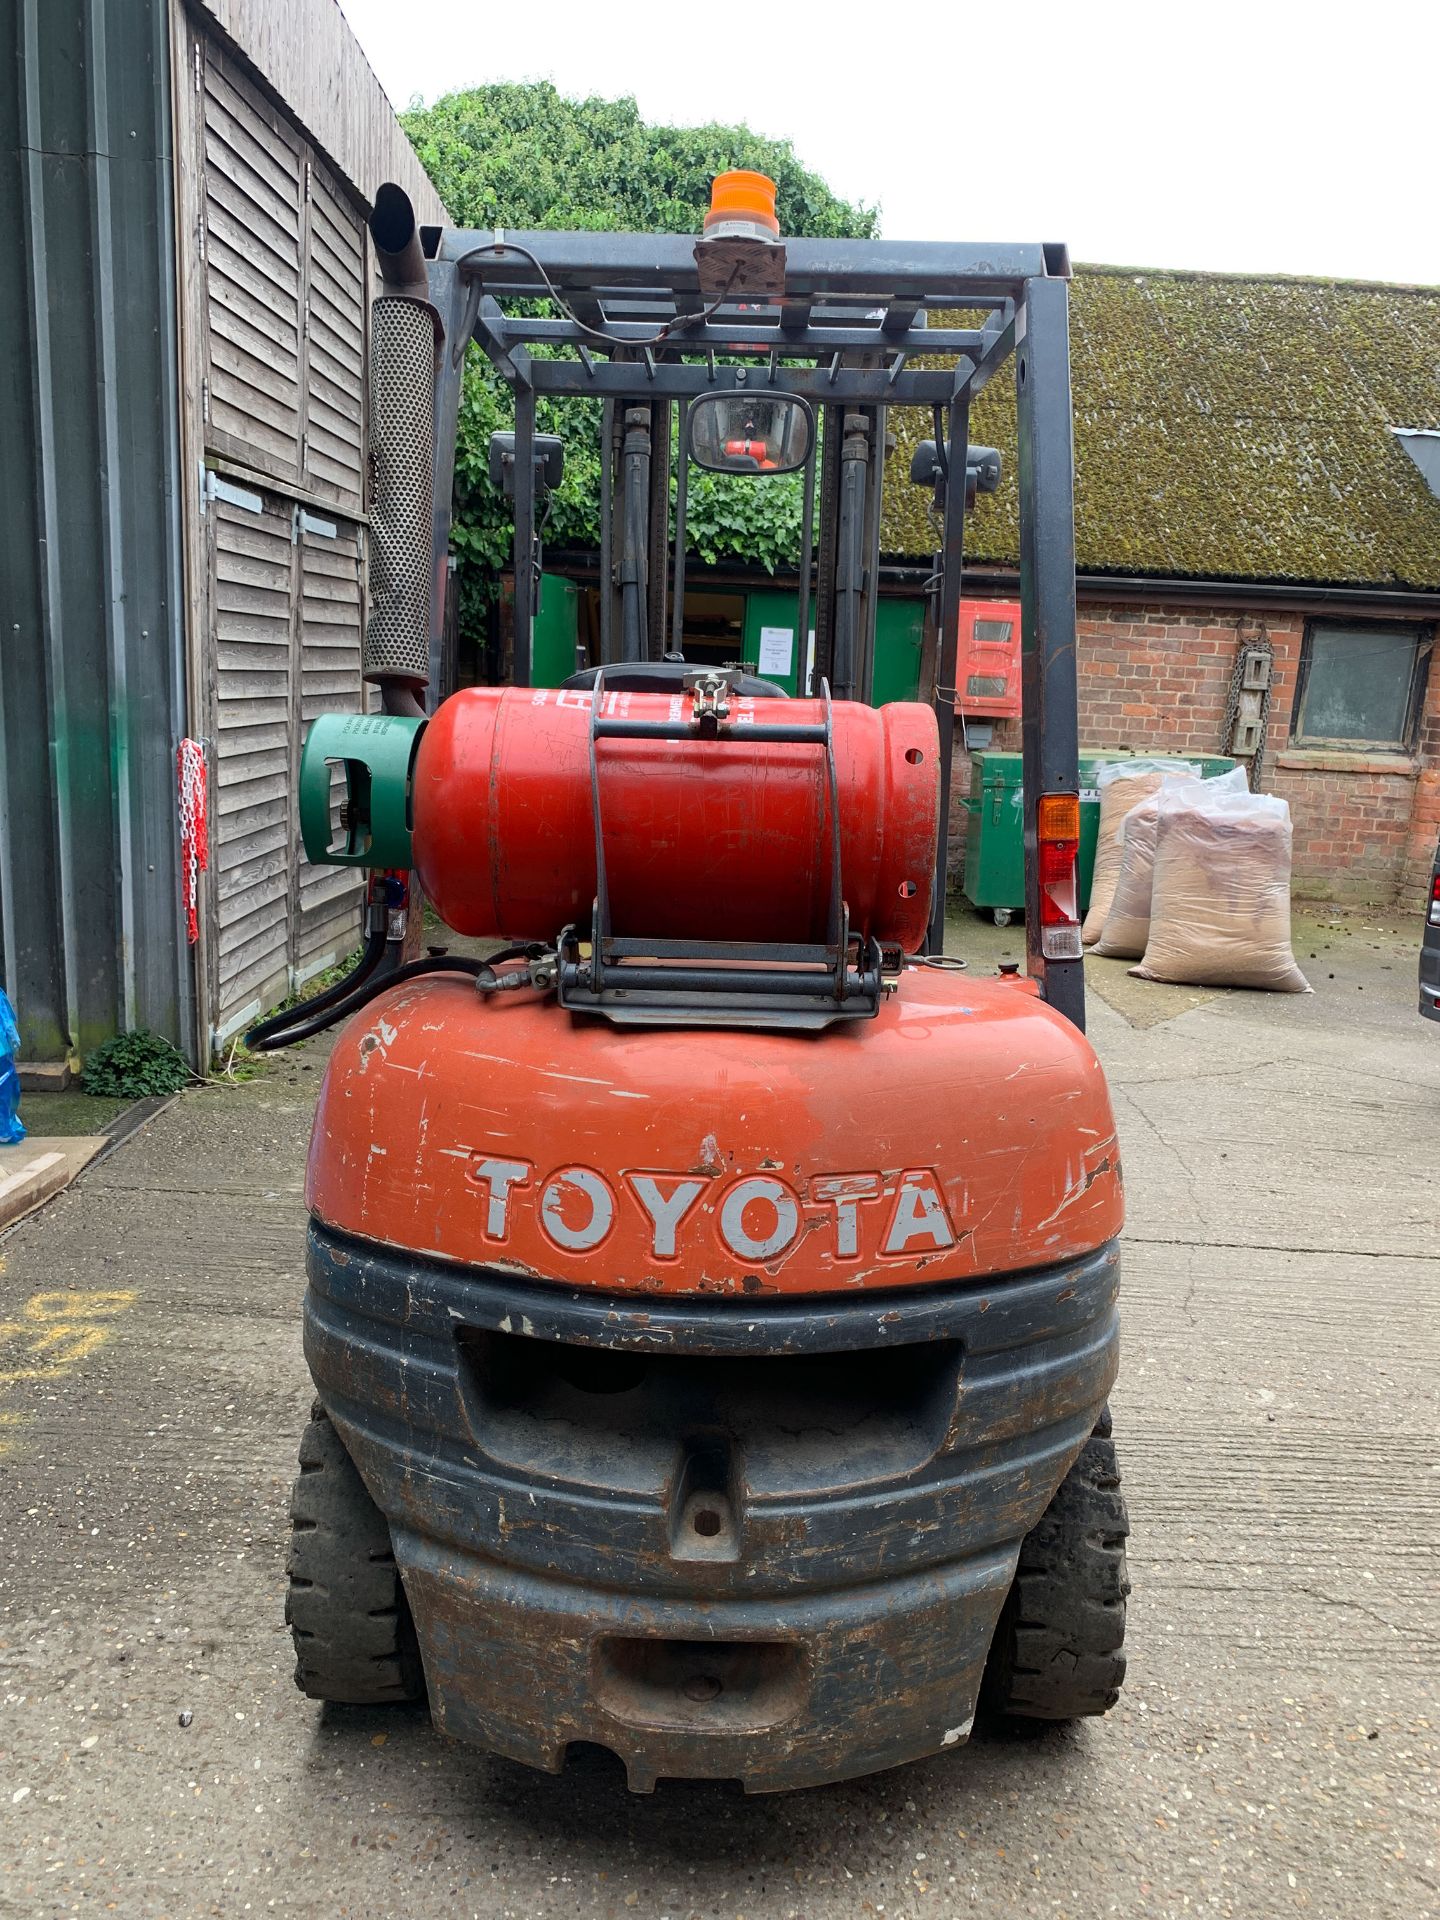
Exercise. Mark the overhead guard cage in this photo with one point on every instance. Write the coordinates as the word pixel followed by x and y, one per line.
pixel 850 333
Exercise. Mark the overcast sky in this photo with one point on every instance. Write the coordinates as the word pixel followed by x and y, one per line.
pixel 1269 136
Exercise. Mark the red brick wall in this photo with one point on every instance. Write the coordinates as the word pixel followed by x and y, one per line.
pixel 1158 679
pixel 1352 827
pixel 1425 818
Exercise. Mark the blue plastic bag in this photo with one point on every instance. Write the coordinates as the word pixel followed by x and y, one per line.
pixel 11 1128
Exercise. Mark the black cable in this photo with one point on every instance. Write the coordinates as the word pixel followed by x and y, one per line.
pixel 291 1016
pixel 412 970
pixel 598 333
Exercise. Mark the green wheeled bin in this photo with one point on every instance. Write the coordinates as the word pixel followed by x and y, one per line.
pixel 995 836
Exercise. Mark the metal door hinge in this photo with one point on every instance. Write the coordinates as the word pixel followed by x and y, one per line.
pixel 226 490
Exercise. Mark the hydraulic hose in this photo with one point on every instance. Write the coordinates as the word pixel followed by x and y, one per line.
pixel 266 1038
pixel 260 1038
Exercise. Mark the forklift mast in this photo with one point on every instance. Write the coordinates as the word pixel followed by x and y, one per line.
pixel 656 326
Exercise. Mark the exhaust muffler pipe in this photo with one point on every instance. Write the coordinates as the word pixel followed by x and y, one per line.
pixel 405 335
pixel 398 253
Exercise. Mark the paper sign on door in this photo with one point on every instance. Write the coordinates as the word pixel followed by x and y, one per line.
pixel 777 650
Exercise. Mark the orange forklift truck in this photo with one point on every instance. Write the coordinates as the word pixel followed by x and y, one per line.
pixel 712 1294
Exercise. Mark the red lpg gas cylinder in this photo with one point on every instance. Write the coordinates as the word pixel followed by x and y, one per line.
pixel 704 838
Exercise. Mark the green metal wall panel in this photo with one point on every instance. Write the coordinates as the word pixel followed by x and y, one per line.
pixel 91 669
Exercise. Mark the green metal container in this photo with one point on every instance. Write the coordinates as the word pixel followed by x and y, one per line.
pixel 995 826
pixel 995 836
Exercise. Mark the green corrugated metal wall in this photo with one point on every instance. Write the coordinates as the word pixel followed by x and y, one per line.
pixel 91 666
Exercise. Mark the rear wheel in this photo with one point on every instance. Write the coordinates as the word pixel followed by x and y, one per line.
pixel 345 1608
pixel 1058 1649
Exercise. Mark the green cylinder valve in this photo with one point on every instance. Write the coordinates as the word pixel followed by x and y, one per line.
pixel 365 819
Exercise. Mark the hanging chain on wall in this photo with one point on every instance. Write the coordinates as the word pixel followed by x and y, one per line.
pixel 1247 706
pixel 193 794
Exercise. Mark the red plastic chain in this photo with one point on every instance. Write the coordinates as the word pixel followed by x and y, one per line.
pixel 193 788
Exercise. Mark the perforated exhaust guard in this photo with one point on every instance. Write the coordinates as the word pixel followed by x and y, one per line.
pixel 402 453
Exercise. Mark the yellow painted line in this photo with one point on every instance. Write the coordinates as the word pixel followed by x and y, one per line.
pixel 55 1331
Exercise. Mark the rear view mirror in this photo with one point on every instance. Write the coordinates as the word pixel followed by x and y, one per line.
pixel 751 432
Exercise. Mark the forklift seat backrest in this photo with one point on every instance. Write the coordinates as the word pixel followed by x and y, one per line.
pixel 668 676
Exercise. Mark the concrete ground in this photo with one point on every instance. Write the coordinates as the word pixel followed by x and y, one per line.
pixel 1275 1750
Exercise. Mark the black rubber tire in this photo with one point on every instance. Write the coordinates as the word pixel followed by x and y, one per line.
pixel 345 1607
pixel 1058 1651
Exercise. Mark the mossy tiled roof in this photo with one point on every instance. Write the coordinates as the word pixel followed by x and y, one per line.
pixel 1226 427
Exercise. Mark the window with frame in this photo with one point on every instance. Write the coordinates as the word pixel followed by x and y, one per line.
pixel 1361 685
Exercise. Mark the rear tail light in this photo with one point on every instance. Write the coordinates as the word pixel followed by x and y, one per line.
pixel 1058 838
pixel 1435 901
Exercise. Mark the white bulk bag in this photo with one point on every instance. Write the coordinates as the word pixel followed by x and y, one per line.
pixel 1127 925
pixel 1220 906
pixel 1122 784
